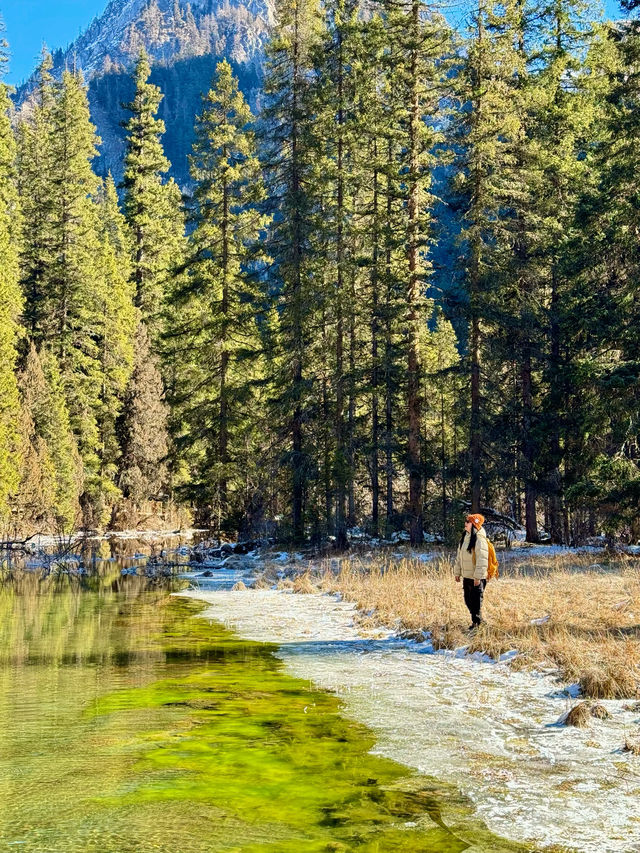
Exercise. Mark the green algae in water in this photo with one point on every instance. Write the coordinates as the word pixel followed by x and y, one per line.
pixel 130 724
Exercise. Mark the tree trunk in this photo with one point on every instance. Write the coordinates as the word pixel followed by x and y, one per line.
pixel 352 405
pixel 388 354
pixel 298 471
pixel 414 401
pixel 526 381
pixel 223 429
pixel 556 527
pixel 341 496
pixel 328 492
pixel 375 426
pixel 443 458
pixel 528 450
pixel 476 437
pixel 475 425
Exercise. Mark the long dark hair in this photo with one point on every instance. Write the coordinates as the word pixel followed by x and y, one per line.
pixel 472 540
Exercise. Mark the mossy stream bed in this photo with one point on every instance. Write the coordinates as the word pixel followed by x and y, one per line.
pixel 128 724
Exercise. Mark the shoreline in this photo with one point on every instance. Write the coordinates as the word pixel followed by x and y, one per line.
pixel 491 731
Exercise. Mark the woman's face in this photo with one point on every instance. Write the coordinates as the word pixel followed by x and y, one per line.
pixel 468 526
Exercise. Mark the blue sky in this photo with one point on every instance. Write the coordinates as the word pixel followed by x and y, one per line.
pixel 31 22
pixel 57 22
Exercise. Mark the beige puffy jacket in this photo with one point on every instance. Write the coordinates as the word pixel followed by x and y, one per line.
pixel 465 565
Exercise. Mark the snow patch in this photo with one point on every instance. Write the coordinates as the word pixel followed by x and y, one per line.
pixel 542 620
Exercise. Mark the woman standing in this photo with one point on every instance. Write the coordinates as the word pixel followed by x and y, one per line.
pixel 472 563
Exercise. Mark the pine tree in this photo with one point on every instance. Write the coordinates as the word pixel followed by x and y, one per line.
pixel 115 326
pixel 35 175
pixel 394 267
pixel 374 132
pixel 334 243
pixel 600 352
pixel 71 280
pixel 78 299
pixel 152 207
pixel 34 504
pixel 216 335
pixel 63 304
pixel 423 40
pixel 10 302
pixel 523 270
pixel 52 465
pixel 565 126
pixel 289 164
pixel 58 144
pixel 441 359
pixel 143 427
pixel 486 128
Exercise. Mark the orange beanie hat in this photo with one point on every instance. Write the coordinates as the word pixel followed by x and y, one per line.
pixel 476 519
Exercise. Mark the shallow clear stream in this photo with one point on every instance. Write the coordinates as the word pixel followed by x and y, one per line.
pixel 128 724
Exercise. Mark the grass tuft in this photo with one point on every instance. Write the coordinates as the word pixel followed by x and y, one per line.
pixel 632 745
pixel 579 716
pixel 304 585
pixel 610 679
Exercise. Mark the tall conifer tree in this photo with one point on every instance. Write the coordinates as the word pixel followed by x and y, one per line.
pixel 423 39
pixel 290 156
pixel 216 333
pixel 152 206
pixel 54 469
pixel 565 127
pixel 335 186
pixel 35 175
pixel 57 146
pixel 600 361
pixel 10 301
pixel 115 326
pixel 143 428
pixel 69 328
pixel 486 127
pixel 371 130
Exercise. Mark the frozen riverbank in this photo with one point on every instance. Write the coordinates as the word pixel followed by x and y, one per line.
pixel 490 731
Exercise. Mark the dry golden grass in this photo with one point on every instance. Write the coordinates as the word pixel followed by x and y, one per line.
pixel 304 585
pixel 579 716
pixel 563 612
pixel 600 712
pixel 632 745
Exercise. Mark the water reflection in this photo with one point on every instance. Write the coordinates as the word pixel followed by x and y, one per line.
pixel 89 552
pixel 129 724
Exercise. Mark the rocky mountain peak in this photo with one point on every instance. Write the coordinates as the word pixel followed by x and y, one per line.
pixel 184 40
pixel 169 30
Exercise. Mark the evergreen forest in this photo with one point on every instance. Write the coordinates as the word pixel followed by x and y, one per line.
pixel 408 287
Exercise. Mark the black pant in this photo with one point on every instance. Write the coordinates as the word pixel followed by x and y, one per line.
pixel 473 598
